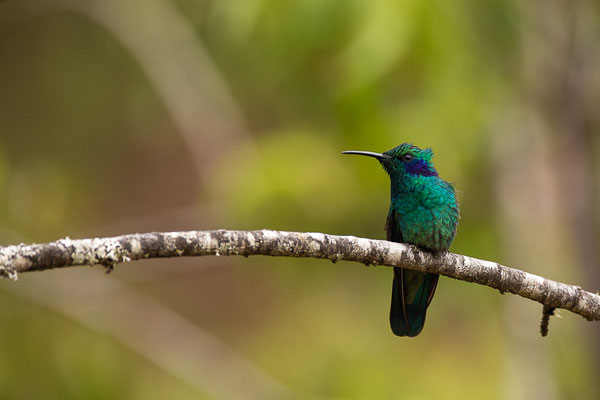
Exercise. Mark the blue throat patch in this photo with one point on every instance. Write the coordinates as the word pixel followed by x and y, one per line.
pixel 420 167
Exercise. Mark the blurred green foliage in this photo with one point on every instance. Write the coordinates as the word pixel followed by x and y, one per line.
pixel 89 148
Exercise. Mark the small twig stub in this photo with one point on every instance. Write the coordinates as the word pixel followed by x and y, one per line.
pixel 547 312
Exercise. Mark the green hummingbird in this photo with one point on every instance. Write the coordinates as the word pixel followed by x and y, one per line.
pixel 423 212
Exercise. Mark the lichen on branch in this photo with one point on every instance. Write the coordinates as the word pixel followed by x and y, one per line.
pixel 114 250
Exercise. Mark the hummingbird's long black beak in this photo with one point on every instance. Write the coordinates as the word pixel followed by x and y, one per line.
pixel 378 156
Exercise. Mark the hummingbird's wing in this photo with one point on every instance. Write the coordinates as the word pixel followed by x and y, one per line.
pixel 412 291
pixel 392 228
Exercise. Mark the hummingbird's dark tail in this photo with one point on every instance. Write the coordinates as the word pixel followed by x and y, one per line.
pixel 412 292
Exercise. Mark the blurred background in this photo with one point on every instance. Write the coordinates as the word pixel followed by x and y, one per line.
pixel 133 116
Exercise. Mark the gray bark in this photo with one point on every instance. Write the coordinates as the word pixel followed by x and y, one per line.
pixel 114 250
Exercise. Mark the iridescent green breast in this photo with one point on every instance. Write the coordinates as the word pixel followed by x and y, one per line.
pixel 426 211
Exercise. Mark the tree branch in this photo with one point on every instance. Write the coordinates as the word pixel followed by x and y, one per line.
pixel 114 250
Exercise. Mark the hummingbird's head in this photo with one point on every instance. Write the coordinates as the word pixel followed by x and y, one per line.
pixel 404 160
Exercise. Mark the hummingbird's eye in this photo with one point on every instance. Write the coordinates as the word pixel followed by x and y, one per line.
pixel 407 157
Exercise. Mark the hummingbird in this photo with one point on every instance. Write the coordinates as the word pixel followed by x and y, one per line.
pixel 423 212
